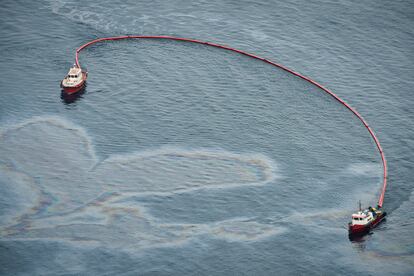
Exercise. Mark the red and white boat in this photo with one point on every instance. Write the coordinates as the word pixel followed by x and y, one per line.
pixel 365 220
pixel 74 81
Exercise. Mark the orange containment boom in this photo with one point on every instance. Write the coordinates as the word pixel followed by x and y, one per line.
pixel 371 132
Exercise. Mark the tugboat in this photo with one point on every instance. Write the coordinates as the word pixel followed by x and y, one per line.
pixel 364 220
pixel 74 80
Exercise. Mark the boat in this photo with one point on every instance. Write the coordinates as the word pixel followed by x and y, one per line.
pixel 74 81
pixel 364 220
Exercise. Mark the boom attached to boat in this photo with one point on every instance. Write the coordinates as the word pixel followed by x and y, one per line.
pixel 75 81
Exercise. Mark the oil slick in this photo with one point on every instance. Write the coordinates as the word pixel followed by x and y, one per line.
pixel 62 191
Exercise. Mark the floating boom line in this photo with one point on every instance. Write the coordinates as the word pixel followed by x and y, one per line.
pixel 371 132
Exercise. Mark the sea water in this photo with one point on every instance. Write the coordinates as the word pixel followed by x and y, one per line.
pixel 183 159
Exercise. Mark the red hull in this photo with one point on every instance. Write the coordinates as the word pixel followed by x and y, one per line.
pixel 363 229
pixel 74 89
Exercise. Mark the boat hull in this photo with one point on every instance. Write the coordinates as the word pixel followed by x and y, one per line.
pixel 74 89
pixel 364 229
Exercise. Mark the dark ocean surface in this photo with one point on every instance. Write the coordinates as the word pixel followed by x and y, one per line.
pixel 183 159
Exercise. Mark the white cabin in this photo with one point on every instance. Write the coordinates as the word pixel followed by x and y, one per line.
pixel 362 217
pixel 73 78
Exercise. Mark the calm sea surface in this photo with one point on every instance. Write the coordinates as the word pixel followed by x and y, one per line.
pixel 183 159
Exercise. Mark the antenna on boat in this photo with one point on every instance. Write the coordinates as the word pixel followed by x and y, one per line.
pixel 360 208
